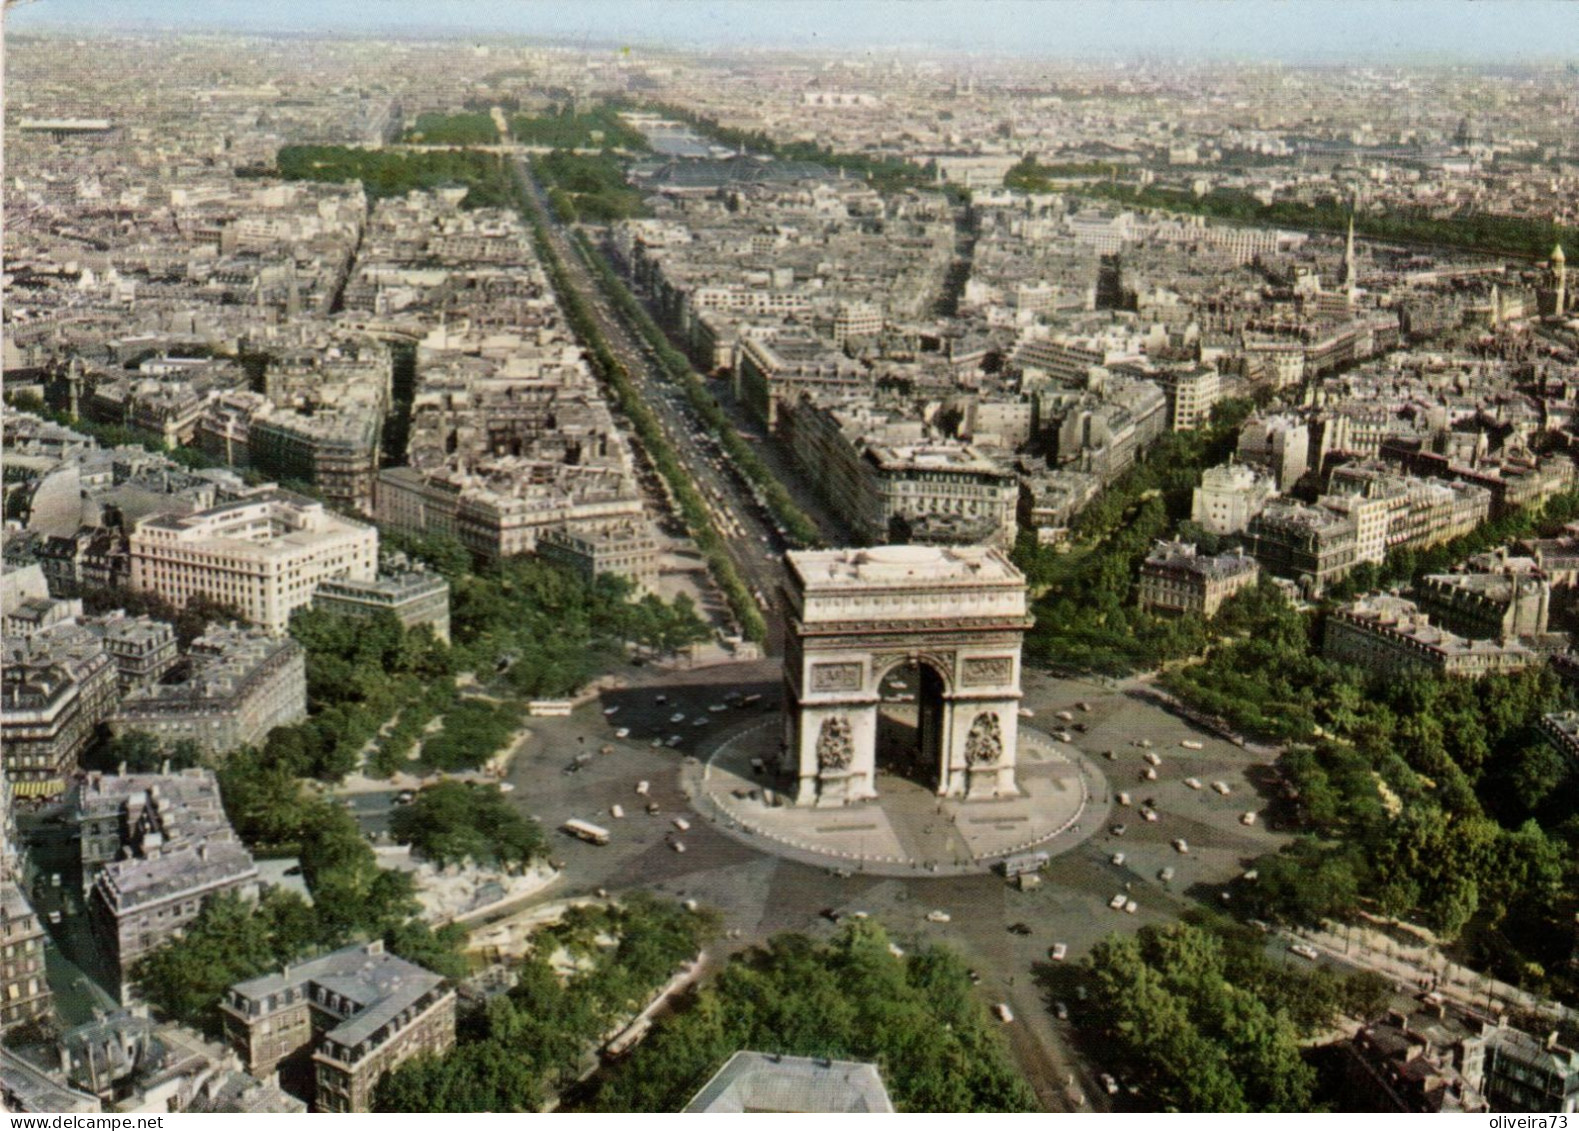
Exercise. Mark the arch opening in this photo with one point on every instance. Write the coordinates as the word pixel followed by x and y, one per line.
pixel 910 723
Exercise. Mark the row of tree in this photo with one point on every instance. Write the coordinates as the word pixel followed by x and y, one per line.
pixel 687 499
pixel 1201 1020
pixel 1423 797
pixel 916 1016
pixel 1477 231
pixel 585 976
pixel 1085 618
pixel 742 456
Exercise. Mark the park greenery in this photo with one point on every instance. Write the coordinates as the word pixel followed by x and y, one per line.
pixel 665 461
pixel 1424 798
pixel 384 173
pixel 564 128
pixel 1085 618
pixel 538 630
pixel 585 977
pixel 742 455
pixel 455 822
pixel 472 128
pixel 588 187
pixel 885 174
pixel 917 1017
pixel 1470 230
pixel 1030 176
pixel 352 899
pixel 1198 1018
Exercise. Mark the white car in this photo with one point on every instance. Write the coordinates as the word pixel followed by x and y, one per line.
pixel 1150 774
pixel 1122 799
pixel 1191 744
pixel 1005 1014
pixel 617 812
pixel 642 787
pixel 1222 788
pixel 938 916
pixel 1193 783
pixel 1118 901
pixel 1247 818
pixel 682 824
pixel 1109 1084
pixel 1152 757
pixel 1118 859
pixel 674 740
pixel 1059 952
pixel 677 845
pixel 717 708
pixel 623 732
pixel 657 742
pixel 1182 846
pixel 610 710
pixel 677 717
pixel 1166 874
pixel 1304 950
pixel 1149 815
pixel 1130 906
pixel 1027 713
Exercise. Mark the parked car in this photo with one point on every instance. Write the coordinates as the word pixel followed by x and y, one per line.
pixel 1305 950
pixel 1058 952
pixel 1182 846
pixel 1005 1014
pixel 938 916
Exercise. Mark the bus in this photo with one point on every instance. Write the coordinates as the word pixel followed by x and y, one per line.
pixel 1024 862
pixel 586 830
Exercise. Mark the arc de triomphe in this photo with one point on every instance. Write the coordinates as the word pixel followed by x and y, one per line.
pixel 958 613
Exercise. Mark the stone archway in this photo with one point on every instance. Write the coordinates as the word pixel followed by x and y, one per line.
pixel 957 613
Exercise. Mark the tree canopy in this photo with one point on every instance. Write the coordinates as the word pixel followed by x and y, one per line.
pixel 454 822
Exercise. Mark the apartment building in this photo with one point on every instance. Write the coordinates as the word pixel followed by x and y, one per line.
pixel 262 556
pixel 1174 578
pixel 355 1014
pixel 240 684
pixel 415 595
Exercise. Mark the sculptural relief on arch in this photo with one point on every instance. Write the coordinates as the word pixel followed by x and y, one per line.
pixel 954 615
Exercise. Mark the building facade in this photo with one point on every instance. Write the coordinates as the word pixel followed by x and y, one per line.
pixel 1176 579
pixel 357 1013
pixel 262 556
pixel 415 596
pixel 241 683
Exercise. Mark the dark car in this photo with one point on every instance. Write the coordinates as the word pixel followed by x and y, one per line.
pixel 1019 929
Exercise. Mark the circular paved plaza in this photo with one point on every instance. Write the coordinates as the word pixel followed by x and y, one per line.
pixel 907 830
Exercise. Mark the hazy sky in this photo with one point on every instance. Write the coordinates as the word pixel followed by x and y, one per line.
pixel 1482 30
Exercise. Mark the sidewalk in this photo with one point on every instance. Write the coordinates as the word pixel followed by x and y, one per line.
pixel 1414 964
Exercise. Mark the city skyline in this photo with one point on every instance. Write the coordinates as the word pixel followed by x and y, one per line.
pixel 1413 31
